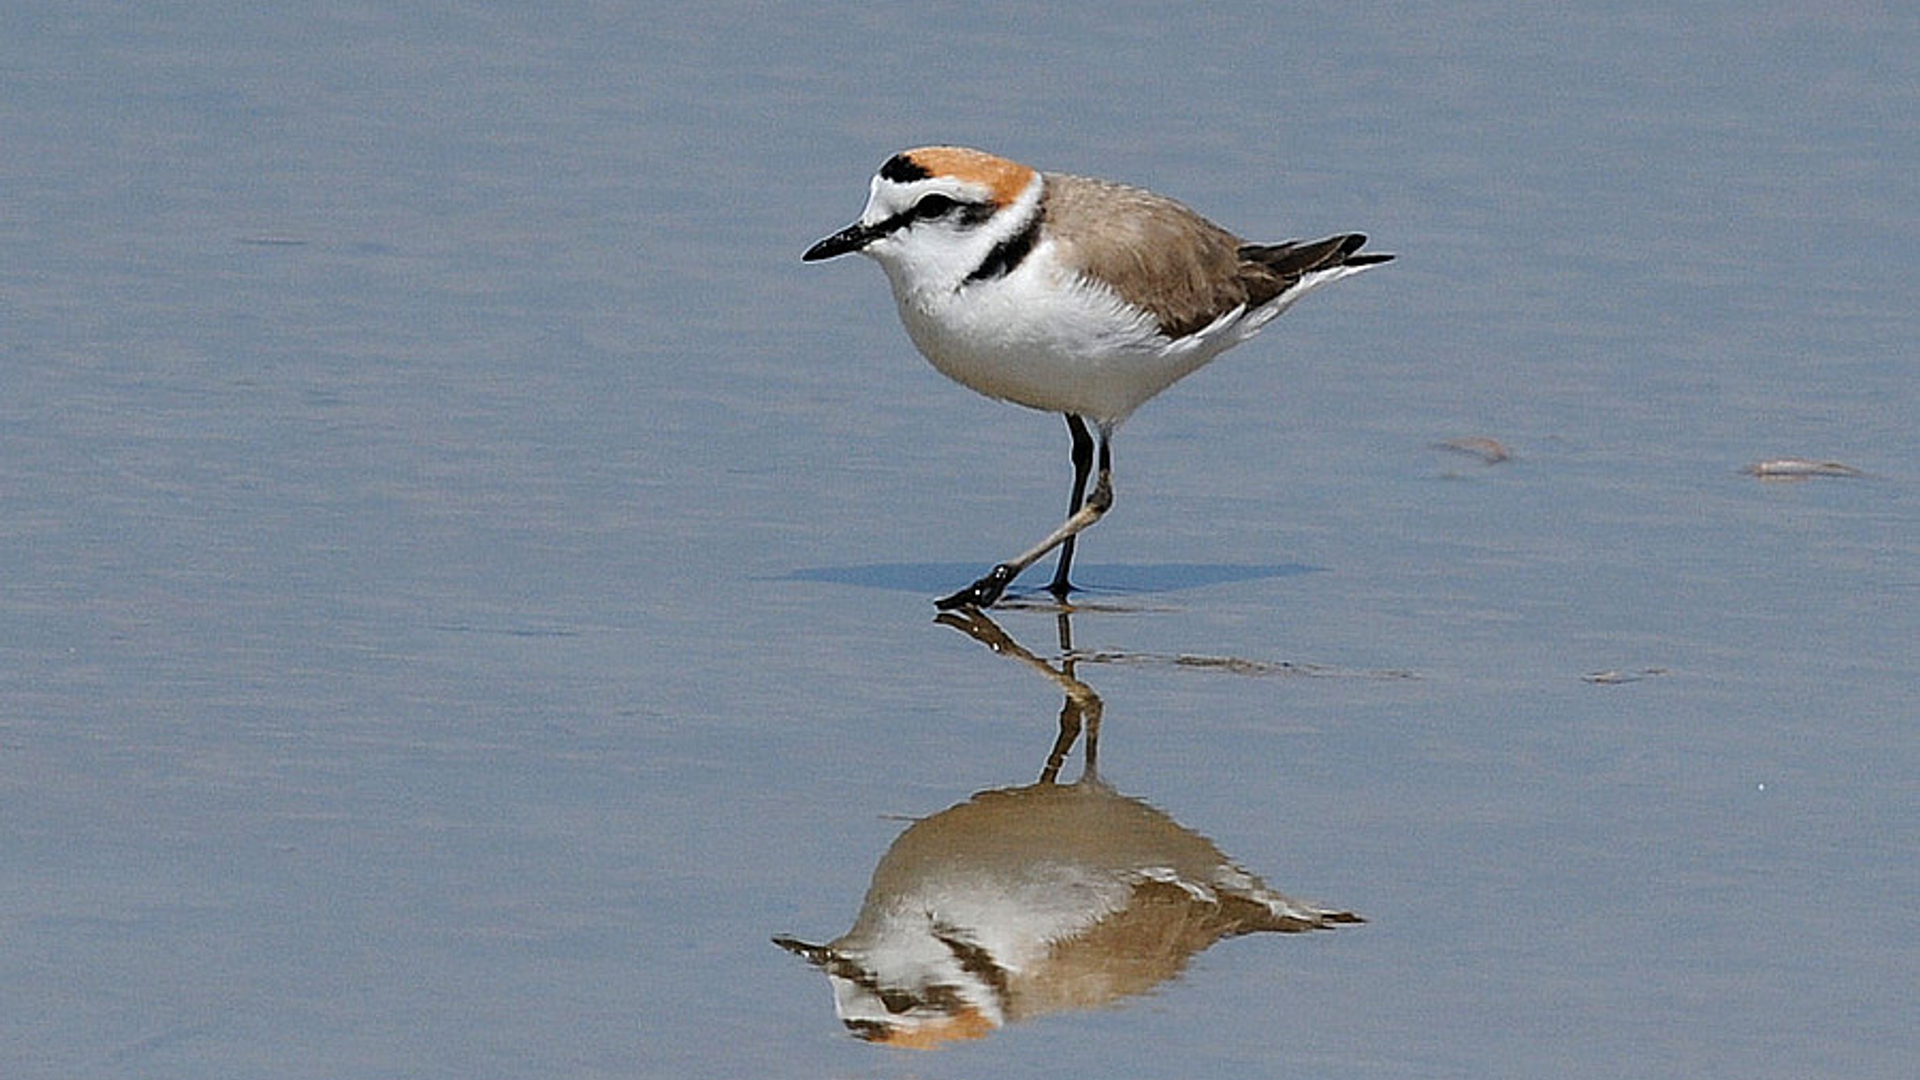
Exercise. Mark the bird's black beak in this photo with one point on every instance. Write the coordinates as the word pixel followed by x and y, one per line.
pixel 852 238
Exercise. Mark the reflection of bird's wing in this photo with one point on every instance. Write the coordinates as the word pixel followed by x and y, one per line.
pixel 1013 870
pixel 1019 918
pixel 1283 913
pixel 1167 875
pixel 1241 903
pixel 1023 873
pixel 1168 917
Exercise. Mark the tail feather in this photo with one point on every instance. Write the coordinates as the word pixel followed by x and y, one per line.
pixel 1296 258
pixel 1274 270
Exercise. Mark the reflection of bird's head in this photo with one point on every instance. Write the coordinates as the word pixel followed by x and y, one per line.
pixel 919 999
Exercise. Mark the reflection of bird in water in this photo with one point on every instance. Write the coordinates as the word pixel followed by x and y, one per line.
pixel 1030 900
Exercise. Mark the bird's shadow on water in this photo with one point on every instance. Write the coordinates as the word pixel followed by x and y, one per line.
pixel 1095 580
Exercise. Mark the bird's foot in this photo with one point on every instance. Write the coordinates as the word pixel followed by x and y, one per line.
pixel 982 593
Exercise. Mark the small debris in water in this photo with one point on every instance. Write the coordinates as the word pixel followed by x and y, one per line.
pixel 1489 451
pixel 1798 469
pixel 273 241
pixel 1235 665
pixel 1612 677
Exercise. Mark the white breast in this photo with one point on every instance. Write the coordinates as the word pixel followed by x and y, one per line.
pixel 1048 338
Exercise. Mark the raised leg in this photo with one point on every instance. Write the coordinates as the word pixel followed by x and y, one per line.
pixel 985 591
pixel 1082 454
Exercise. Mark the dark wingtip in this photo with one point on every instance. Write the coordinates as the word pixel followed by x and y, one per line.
pixel 1350 246
pixel 1299 257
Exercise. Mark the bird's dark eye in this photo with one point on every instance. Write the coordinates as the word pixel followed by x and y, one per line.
pixel 896 1001
pixel 933 206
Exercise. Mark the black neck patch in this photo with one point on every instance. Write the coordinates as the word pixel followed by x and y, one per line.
pixel 1008 253
pixel 902 169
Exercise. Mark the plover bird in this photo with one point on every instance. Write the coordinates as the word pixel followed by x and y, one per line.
pixel 1071 295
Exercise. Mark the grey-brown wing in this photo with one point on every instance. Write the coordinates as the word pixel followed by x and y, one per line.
pixel 1153 251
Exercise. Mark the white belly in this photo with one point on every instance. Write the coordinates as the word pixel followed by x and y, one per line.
pixel 1039 339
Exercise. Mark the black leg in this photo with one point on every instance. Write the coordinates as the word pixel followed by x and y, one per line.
pixel 1082 454
pixel 983 593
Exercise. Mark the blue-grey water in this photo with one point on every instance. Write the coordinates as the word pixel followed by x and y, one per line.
pixel 466 584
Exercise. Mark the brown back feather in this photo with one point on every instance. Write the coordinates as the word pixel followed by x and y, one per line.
pixel 1161 256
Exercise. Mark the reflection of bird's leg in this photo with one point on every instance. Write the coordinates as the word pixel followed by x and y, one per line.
pixel 1070 714
pixel 1079 713
pixel 1070 727
pixel 1085 710
pixel 1081 710
pixel 975 624
pixel 1092 750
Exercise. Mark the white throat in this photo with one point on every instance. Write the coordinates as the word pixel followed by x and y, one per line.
pixel 920 261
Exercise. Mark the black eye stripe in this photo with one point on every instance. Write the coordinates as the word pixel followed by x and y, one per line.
pixel 932 207
pixel 895 223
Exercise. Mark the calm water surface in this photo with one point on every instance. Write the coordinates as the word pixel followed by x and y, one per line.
pixel 467 584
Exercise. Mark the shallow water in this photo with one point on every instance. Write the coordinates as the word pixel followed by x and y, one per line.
pixel 469 585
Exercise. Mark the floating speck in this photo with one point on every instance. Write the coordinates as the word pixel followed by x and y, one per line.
pixel 1489 451
pixel 1798 469
pixel 1612 677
